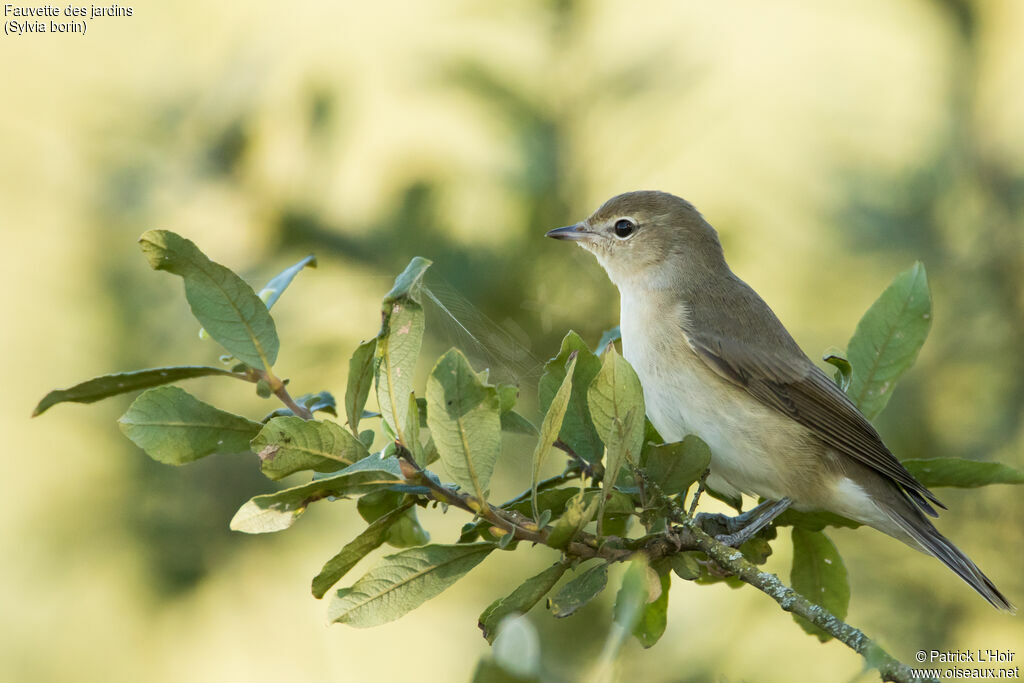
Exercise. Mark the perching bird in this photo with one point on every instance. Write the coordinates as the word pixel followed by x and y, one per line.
pixel 715 361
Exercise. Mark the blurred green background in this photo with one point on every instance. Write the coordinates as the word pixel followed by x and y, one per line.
pixel 831 144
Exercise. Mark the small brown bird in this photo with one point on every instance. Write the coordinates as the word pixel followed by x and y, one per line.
pixel 715 361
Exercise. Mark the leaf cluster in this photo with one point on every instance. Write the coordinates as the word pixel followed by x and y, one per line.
pixel 624 494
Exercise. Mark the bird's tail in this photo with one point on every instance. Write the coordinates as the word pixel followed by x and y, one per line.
pixel 925 535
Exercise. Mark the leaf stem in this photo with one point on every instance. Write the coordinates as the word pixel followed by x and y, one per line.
pixel 281 391
pixel 700 489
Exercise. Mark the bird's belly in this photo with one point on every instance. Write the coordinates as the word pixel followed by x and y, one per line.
pixel 754 449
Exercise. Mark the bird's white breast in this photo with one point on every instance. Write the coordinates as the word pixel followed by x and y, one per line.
pixel 683 396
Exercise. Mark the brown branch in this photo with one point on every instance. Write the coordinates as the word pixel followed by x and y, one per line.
pixel 281 391
pixel 594 470
pixel 730 559
pixel 689 536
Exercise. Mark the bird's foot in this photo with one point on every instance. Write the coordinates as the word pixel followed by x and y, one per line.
pixel 744 527
pixel 716 523
pixel 672 534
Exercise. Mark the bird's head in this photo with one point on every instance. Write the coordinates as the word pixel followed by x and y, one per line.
pixel 648 238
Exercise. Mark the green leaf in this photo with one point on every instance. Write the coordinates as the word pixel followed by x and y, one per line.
pixel 320 402
pixel 512 421
pixel 634 594
pixel 409 283
pixel 581 590
pixel 674 467
pixel 685 565
pixel 844 371
pixel 412 432
pixel 577 427
pixel 820 576
pixel 175 427
pixel 517 648
pixel 421 411
pixel 263 389
pixel 406 531
pixel 508 394
pixel 362 545
pixel 99 388
pixel 618 509
pixel 489 671
pixel 273 290
pixel 515 423
pixel 220 300
pixel 287 445
pixel 404 581
pixel 278 511
pixel 521 600
pixel 360 378
pixel 463 417
pixel 617 408
pixel 613 394
pixel 398 345
pixel 888 339
pixel 758 549
pixel 650 626
pixel 609 336
pixel 549 429
pixel 965 474
pixel 577 515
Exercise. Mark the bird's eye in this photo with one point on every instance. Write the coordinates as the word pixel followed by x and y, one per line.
pixel 624 228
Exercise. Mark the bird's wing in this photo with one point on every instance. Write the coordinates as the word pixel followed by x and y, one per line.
pixel 753 351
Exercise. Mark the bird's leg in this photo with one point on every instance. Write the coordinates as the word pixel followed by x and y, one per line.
pixel 751 522
pixel 732 524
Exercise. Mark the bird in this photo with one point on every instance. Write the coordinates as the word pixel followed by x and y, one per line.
pixel 715 361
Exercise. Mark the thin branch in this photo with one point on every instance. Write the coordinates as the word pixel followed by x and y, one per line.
pixel 594 470
pixel 281 391
pixel 689 536
pixel 700 489
pixel 890 668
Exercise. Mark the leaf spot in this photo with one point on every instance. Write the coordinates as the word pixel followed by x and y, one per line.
pixel 404 329
pixel 268 453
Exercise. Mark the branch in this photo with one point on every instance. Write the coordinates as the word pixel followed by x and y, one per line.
pixel 890 668
pixel 594 470
pixel 281 391
pixel 690 535
pixel 733 562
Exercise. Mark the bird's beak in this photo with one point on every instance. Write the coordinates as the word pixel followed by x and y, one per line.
pixel 570 232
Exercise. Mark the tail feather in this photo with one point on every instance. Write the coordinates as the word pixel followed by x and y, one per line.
pixel 921 530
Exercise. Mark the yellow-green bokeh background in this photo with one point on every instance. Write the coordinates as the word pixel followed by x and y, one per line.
pixel 830 143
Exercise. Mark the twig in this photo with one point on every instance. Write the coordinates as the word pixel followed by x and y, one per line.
pixel 890 668
pixel 281 391
pixel 687 537
pixel 585 547
pixel 700 489
pixel 594 470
